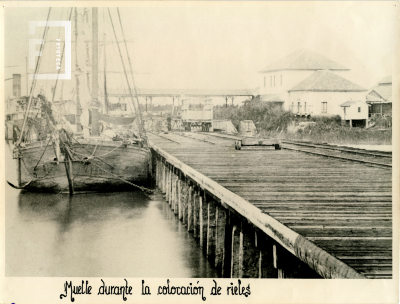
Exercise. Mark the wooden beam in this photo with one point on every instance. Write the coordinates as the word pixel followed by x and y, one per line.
pixel 211 208
pixel 220 238
pixel 167 183
pixel 278 262
pixel 180 199
pixel 196 215
pixel 328 266
pixel 250 258
pixel 190 208
pixel 184 196
pixel 235 249
pixel 176 196
pixel 203 221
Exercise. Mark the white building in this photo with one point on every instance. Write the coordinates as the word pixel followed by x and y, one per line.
pixel 355 113
pixel 380 98
pixel 308 84
pixel 322 93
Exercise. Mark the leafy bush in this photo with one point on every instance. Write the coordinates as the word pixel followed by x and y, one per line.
pixel 272 121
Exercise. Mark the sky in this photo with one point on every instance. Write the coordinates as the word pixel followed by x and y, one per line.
pixel 224 44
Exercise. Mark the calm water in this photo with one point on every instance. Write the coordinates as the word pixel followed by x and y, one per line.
pixel 104 235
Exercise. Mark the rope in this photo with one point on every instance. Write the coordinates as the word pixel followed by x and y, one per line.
pixel 42 154
pixel 32 175
pixel 140 127
pixel 146 190
pixel 88 150
pixel 34 80
pixel 93 156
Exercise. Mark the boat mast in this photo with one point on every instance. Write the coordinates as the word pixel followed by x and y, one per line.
pixel 142 133
pixel 95 74
pixel 33 82
pixel 77 73
pixel 106 110
pixel 139 112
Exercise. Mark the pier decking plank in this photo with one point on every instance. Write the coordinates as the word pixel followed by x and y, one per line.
pixel 344 208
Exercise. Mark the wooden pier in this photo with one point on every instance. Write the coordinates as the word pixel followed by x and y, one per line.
pixel 265 213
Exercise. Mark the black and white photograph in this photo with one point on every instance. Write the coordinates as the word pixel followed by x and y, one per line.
pixel 200 151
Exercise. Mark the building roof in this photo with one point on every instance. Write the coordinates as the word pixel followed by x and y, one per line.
pixel 386 80
pixel 326 81
pixel 271 98
pixel 382 92
pixel 304 60
pixel 373 96
pixel 350 102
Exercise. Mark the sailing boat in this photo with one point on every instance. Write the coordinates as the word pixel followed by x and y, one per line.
pixel 80 161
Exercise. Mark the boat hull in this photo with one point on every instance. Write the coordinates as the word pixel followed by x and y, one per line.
pixel 95 166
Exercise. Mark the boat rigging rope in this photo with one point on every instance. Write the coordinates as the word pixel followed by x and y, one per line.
pixel 95 156
pixel 87 149
pixel 144 189
pixel 86 159
pixel 34 80
pixel 42 154
pixel 33 174
pixel 139 121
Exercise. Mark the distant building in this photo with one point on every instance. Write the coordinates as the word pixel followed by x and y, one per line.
pixel 355 113
pixel 15 110
pixel 322 93
pixel 380 98
pixel 308 83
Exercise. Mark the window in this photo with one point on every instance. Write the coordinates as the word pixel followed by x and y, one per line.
pixel 359 109
pixel 270 78
pixel 265 80
pixel 281 80
pixel 298 107
pixel 305 107
pixel 324 107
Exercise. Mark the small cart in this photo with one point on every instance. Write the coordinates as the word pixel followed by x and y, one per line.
pixel 257 142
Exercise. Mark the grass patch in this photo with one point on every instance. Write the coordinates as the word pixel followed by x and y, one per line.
pixel 272 121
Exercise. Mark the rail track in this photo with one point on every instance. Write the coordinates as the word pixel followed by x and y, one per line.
pixel 376 158
pixel 337 198
pixel 368 157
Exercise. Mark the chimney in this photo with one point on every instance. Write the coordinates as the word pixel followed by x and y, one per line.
pixel 17 85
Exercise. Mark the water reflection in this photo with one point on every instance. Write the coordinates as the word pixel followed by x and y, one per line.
pixel 108 234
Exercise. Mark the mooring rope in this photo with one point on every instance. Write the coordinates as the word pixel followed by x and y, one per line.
pixel 144 189
pixel 42 154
